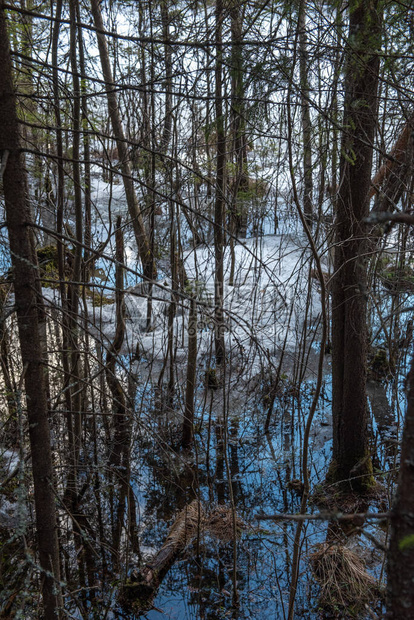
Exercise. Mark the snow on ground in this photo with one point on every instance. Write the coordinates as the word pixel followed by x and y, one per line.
pixel 265 309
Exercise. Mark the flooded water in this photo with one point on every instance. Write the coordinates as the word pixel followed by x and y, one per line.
pixel 234 463
pixel 262 470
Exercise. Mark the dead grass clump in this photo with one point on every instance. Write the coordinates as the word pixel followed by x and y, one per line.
pixel 344 580
pixel 219 523
pixel 186 525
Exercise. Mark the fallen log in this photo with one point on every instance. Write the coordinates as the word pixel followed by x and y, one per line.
pixel 139 591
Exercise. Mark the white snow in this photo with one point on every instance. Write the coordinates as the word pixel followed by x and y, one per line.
pixel 264 310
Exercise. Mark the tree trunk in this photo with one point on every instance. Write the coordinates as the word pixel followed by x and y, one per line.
pixel 119 458
pixel 166 133
pixel 141 590
pixel 351 461
pixel 400 567
pixel 188 424
pixel 240 183
pixel 305 110
pixel 86 152
pixel 141 237
pixel 29 312
pixel 73 288
pixel 219 198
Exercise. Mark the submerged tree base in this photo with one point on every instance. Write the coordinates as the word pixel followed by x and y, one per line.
pixel 341 495
pixel 360 480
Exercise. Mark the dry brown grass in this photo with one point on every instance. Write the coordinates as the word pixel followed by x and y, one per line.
pixel 219 523
pixel 343 578
pixel 188 522
pixel 193 520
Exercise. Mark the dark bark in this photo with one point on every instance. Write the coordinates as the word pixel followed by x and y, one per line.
pixel 188 424
pixel 134 210
pixel 29 313
pixel 119 458
pixel 86 151
pixel 219 197
pixel 8 378
pixel 349 298
pixel 241 179
pixel 400 566
pixel 73 289
pixel 61 249
pixel 165 20
pixel 305 112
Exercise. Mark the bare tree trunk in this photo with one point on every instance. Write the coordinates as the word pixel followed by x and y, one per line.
pixel 351 460
pixel 141 237
pixel 188 424
pixel 241 179
pixel 66 348
pixel 73 289
pixel 219 198
pixel 305 109
pixel 86 151
pixel 119 458
pixel 29 309
pixel 8 377
pixel 165 20
pixel 150 175
pixel 400 567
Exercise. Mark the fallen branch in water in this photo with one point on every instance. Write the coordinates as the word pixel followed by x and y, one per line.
pixel 325 516
pixel 139 591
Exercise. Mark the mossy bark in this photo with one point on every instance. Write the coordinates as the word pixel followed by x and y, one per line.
pixel 349 294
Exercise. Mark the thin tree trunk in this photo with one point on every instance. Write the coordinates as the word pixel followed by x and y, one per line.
pixel 390 180
pixel 134 210
pixel 172 309
pixel 119 458
pixel 8 378
pixel 29 308
pixel 73 289
pixel 86 151
pixel 165 20
pixel 305 109
pixel 241 180
pixel 219 197
pixel 188 424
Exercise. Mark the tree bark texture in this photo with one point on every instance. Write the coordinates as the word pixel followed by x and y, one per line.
pixel 238 125
pixel 188 424
pixel 400 566
pixel 119 458
pixel 220 184
pixel 29 314
pixel 349 298
pixel 135 214
pixel 305 112
pixel 165 20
